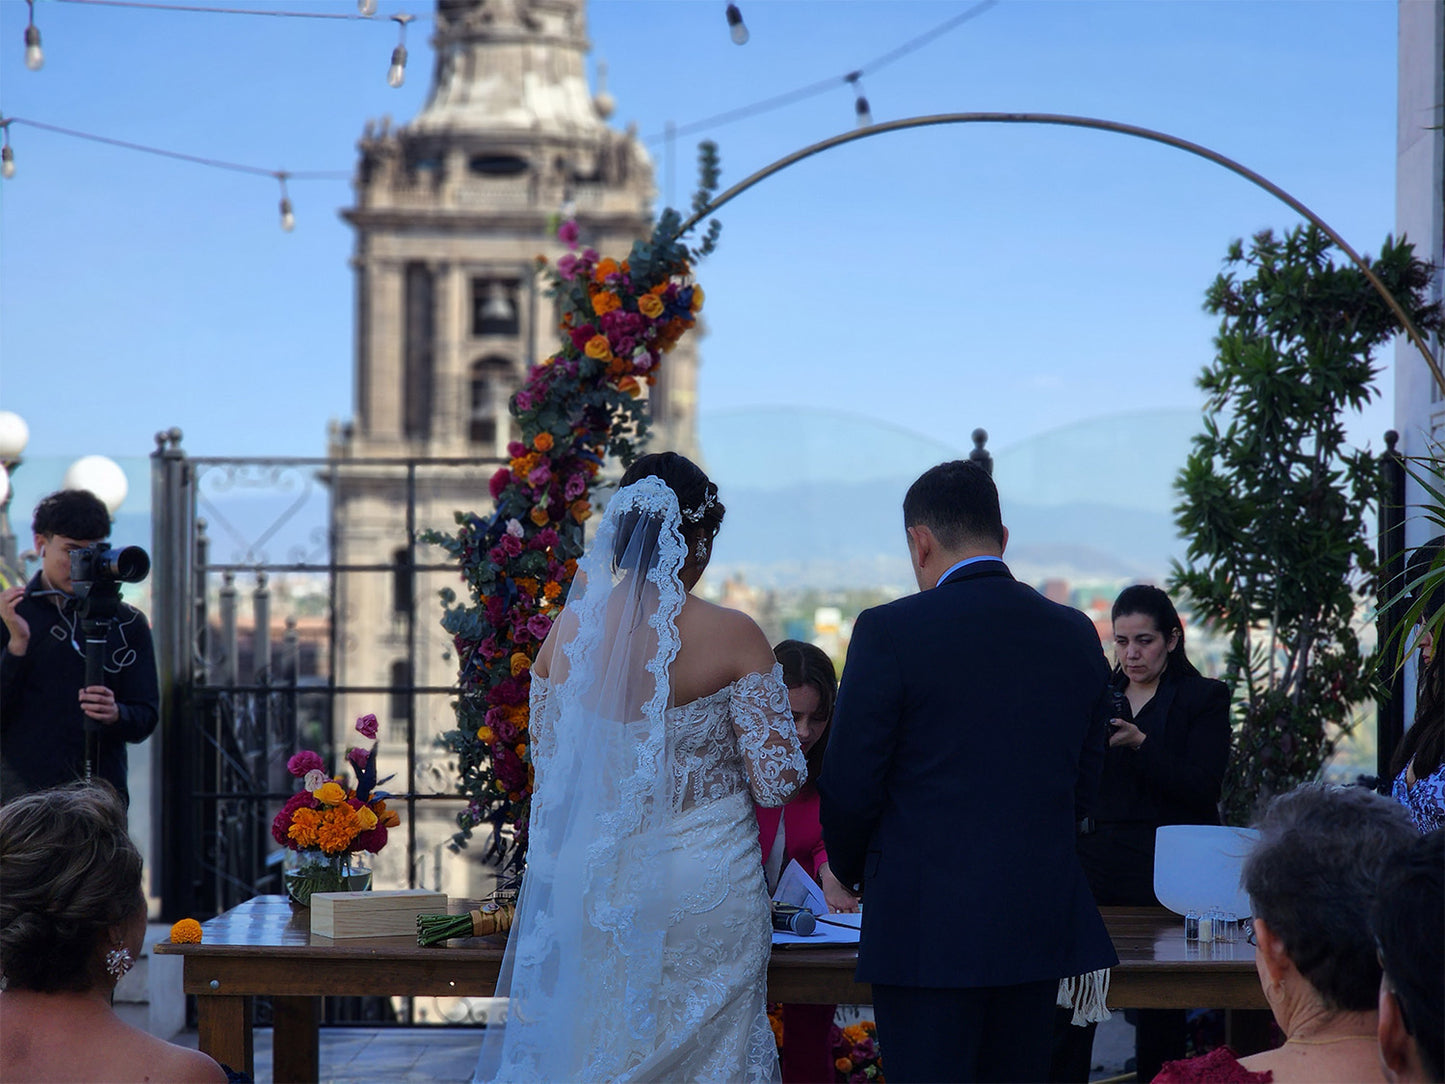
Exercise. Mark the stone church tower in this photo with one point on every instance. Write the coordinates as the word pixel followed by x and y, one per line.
pixel 451 211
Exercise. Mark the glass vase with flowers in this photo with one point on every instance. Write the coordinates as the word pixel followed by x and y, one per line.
pixel 327 825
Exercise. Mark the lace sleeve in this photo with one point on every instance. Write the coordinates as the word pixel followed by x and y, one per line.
pixel 766 737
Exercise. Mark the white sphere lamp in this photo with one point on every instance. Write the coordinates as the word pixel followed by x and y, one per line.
pixel 4 484
pixel 102 476
pixel 14 435
pixel 1197 867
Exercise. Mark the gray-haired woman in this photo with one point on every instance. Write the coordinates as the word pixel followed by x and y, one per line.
pixel 1311 880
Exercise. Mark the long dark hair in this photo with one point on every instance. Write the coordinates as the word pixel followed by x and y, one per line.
pixel 1424 742
pixel 807 664
pixel 1146 599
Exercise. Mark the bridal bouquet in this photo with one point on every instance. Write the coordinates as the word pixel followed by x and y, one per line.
pixel 583 403
pixel 327 821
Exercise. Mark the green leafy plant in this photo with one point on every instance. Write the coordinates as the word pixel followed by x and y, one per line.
pixel 1275 505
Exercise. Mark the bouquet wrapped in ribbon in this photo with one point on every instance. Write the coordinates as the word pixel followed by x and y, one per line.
pixel 490 918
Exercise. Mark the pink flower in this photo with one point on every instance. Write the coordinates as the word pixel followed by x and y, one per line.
pixel 489 648
pixel 545 539
pixel 506 732
pixel 372 840
pixel 514 527
pixel 540 476
pixel 366 727
pixel 567 233
pixel 524 401
pixel 358 759
pixel 304 762
pixel 538 625
pixel 579 335
pixel 315 779
pixel 511 545
pixel 576 486
pixel 568 266
pixel 516 449
pixel 499 482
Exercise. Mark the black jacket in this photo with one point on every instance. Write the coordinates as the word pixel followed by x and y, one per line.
pixel 42 729
pixel 967 738
pixel 1173 778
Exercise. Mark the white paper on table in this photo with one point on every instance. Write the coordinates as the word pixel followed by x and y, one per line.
pixel 795 887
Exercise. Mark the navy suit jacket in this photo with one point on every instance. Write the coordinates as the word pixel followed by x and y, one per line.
pixel 967 741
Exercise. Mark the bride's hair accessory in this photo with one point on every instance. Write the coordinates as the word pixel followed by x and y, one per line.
pixel 694 515
pixel 701 547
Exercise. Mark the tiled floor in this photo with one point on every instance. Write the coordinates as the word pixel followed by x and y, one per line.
pixel 449 1055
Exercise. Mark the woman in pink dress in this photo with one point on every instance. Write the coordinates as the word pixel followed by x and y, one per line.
pixel 792 831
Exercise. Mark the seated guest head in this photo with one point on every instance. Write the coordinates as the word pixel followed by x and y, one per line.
pixel 1409 924
pixel 812 690
pixel 72 921
pixel 1312 878
pixel 70 891
pixel 1148 636
pixel 951 513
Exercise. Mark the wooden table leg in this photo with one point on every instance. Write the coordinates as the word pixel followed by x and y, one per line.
pixel 224 1026
pixel 296 1042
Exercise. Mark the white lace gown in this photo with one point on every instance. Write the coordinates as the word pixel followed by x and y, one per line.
pixel 642 942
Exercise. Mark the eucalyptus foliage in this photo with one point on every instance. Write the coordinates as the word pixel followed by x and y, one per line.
pixel 1276 507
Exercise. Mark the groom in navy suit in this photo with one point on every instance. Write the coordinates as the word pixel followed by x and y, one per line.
pixel 966 745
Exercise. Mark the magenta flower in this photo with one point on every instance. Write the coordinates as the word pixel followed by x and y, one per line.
pixel 511 545
pixel 540 476
pixel 303 762
pixel 576 486
pixel 516 449
pixel 568 266
pixel 567 233
pixel 366 727
pixel 358 758
pixel 538 625
pixel 499 482
pixel 546 538
pixel 372 840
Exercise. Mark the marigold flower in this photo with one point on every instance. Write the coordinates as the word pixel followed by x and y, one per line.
pixel 337 829
pixel 650 306
pixel 551 590
pixel 598 348
pixel 332 793
pixel 606 268
pixel 520 661
pixel 521 749
pixel 581 511
pixel 605 301
pixel 304 823
pixel 539 515
pixel 543 441
pixel 186 932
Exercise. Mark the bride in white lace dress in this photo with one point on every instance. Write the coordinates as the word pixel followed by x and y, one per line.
pixel 640 947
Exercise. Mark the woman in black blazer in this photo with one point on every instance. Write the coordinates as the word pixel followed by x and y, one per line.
pixel 1168 747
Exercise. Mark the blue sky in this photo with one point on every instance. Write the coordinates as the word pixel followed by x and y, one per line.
pixel 1017 278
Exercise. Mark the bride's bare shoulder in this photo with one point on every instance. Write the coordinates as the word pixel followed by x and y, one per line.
pixel 731 636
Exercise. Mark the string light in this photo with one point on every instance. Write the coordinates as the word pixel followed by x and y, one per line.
pixel 288 219
pixel 736 27
pixel 366 7
pixel 860 102
pixel 396 74
pixel 34 55
pixel 149 5
pixel 7 155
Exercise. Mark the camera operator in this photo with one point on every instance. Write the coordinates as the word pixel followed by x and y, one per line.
pixel 45 705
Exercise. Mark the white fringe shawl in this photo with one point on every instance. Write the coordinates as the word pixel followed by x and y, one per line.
pixel 1086 995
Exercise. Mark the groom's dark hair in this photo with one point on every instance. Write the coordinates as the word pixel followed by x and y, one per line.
pixel 958 502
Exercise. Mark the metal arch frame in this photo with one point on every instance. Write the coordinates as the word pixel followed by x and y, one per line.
pixel 1068 121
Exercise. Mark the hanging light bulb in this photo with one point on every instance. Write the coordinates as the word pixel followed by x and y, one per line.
pixel 396 74
pixel 860 102
pixel 34 55
pixel 366 7
pixel 7 162
pixel 736 27
pixel 288 217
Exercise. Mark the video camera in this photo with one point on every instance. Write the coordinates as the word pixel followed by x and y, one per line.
pixel 100 564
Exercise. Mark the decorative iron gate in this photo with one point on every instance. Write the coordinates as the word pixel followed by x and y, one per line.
pixel 243 547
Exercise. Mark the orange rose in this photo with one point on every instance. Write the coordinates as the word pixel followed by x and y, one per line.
pixel 521 749
pixel 696 298
pixel 629 386
pixel 649 306
pixel 484 734
pixel 581 511
pixel 538 515
pixel 519 662
pixel 605 269
pixel 542 441
pixel 605 301
pixel 598 348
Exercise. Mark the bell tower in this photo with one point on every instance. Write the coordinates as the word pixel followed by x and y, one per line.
pixel 450 212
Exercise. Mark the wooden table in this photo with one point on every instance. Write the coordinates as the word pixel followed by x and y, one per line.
pixel 265 947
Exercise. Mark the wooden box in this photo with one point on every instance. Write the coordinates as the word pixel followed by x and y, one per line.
pixel 372 914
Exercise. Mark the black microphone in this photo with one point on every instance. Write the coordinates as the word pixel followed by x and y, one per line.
pixel 790 919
